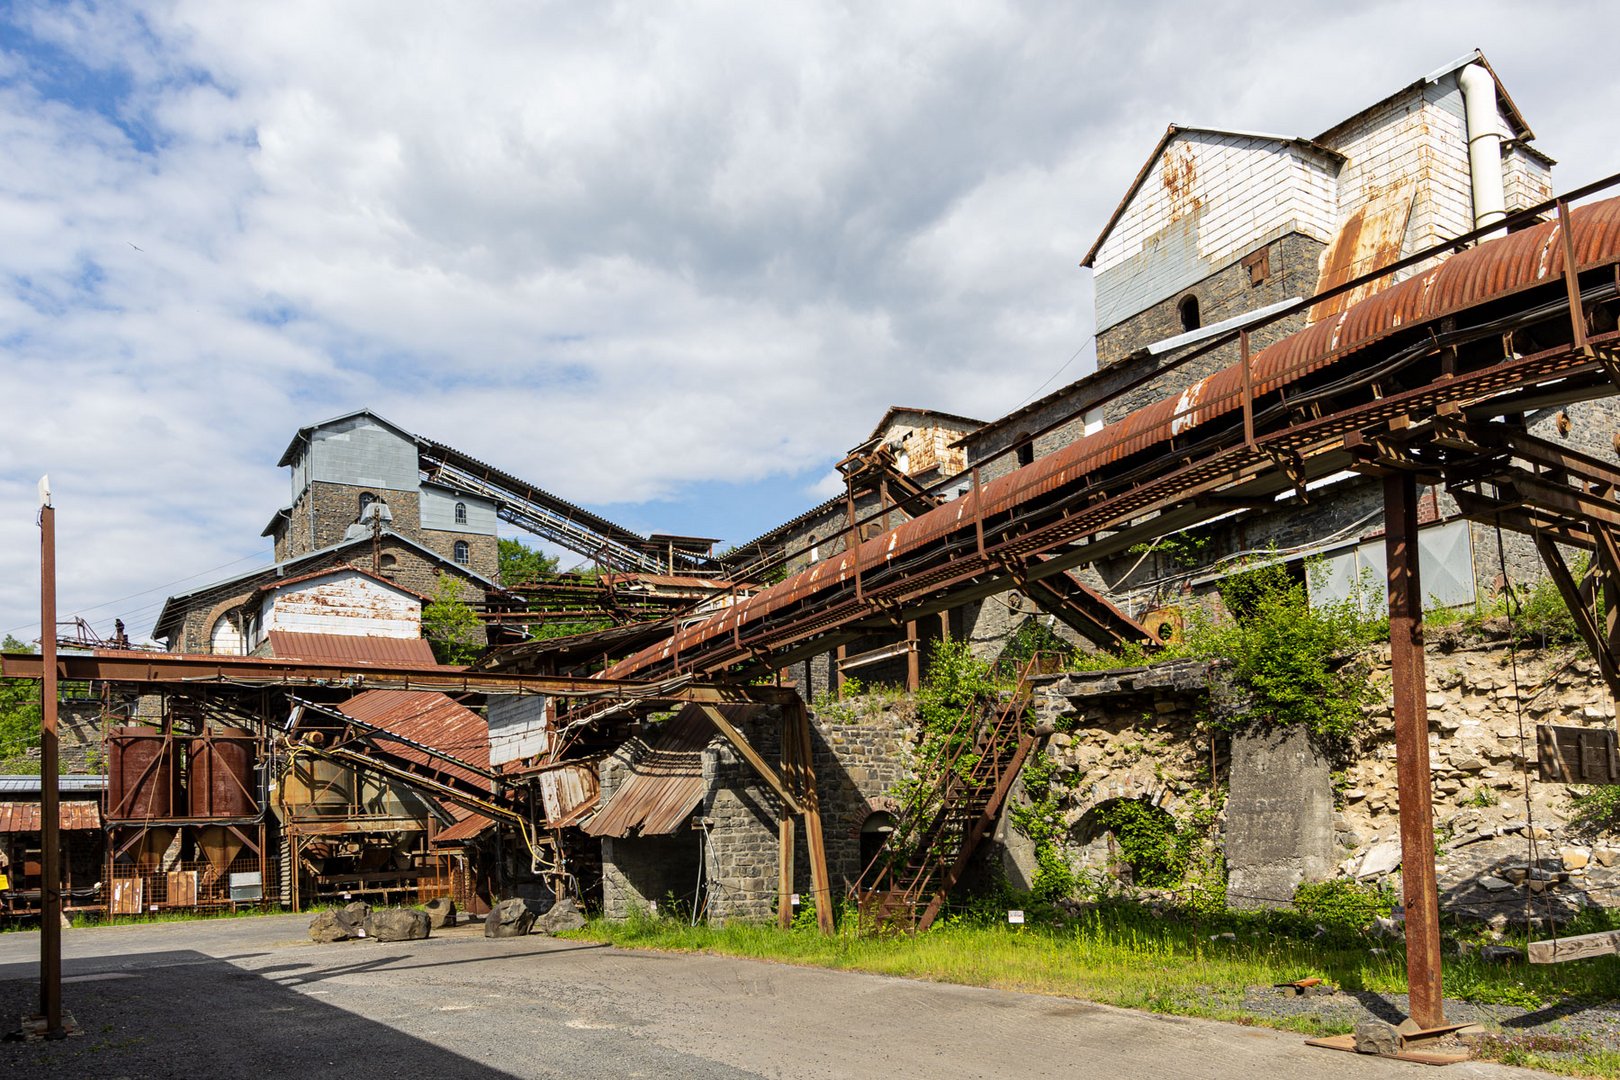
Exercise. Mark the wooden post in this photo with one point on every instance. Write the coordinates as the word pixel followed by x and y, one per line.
pixel 1412 751
pixel 838 671
pixel 819 880
pixel 913 660
pixel 784 858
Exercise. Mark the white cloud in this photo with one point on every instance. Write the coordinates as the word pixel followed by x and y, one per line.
pixel 618 249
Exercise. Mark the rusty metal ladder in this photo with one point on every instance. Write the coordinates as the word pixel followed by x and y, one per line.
pixel 966 803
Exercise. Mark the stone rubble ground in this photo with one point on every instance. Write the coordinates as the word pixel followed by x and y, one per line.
pixel 1593 1026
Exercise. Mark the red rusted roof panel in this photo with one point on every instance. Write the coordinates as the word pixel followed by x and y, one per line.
pixel 666 785
pixel 25 817
pixel 468 828
pixel 352 649
pixel 430 718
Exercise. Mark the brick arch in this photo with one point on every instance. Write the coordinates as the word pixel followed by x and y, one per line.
pixel 859 814
pixel 224 607
pixel 1138 782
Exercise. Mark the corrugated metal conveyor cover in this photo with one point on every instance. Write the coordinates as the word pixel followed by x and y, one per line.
pixel 666 785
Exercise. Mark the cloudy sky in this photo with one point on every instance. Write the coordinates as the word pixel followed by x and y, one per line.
pixel 667 260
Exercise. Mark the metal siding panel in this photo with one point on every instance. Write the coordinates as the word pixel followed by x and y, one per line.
pixel 360 452
pixel 439 512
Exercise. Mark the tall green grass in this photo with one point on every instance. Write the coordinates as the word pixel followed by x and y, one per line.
pixel 1126 956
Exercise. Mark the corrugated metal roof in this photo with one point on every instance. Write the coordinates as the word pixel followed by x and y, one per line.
pixel 430 718
pixel 28 784
pixel 468 828
pixel 77 814
pixel 569 792
pixel 666 785
pixel 352 649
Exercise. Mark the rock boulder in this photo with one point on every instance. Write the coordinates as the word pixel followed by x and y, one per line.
pixel 563 916
pixel 441 912
pixel 509 918
pixel 398 924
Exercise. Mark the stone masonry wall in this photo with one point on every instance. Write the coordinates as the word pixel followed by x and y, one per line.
pixel 639 871
pixel 1292 261
pixel 1137 734
pixel 861 751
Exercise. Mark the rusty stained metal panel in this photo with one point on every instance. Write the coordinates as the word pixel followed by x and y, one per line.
pixel 569 792
pixel 352 649
pixel 344 600
pixel 1370 239
pixel 1493 270
pixel 666 785
pixel 73 816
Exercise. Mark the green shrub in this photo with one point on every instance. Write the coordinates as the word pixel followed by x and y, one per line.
pixel 1149 841
pixel 1285 660
pixel 1343 904
pixel 1597 809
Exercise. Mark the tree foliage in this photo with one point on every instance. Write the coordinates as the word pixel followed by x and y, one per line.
pixel 19 709
pixel 521 564
pixel 452 626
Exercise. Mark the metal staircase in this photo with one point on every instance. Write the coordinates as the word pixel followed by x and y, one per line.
pixel 907 883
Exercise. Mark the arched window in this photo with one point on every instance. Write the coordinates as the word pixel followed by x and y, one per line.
pixel 387 562
pixel 463 552
pixel 461 513
pixel 1188 308
pixel 366 499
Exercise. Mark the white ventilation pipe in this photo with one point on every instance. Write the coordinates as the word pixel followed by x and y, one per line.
pixel 1484 144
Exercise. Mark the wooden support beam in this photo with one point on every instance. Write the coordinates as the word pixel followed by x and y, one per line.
pixel 1412 752
pixel 785 839
pixel 746 749
pixel 820 881
pixel 913 665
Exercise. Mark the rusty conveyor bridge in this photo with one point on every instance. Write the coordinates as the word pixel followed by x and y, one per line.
pixel 1523 322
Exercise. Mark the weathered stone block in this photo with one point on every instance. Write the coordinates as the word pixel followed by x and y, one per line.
pixel 1279 817
pixel 441 912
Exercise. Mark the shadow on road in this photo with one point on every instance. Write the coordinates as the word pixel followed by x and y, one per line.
pixel 187 1014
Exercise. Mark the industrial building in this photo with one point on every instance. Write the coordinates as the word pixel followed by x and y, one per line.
pixel 1257 390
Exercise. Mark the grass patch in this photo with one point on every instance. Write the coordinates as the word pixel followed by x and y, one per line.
pixel 1125 955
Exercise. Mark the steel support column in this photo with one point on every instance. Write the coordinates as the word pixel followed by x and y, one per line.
pixel 1412 750
pixel 50 824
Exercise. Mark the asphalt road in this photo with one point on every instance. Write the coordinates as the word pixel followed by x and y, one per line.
pixel 254 998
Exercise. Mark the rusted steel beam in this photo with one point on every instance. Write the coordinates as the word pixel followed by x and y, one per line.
pixel 1585 624
pixel 50 882
pixel 182 668
pixel 1412 751
pixel 1572 284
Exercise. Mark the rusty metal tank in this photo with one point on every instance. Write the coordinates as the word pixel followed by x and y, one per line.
pixel 142 777
pixel 220 776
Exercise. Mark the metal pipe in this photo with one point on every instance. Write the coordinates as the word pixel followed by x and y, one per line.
pixel 1484 144
pixel 1412 751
